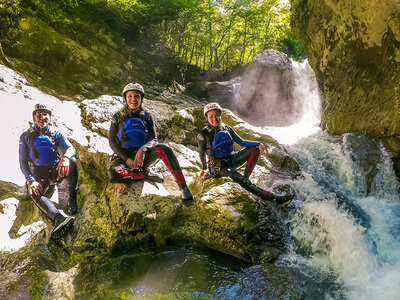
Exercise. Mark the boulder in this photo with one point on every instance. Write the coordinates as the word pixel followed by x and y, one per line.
pixel 267 84
pixel 225 93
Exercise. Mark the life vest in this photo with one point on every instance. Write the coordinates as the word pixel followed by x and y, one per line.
pixel 133 133
pixel 43 151
pixel 222 145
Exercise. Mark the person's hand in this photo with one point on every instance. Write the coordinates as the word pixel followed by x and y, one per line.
pixel 204 174
pixel 130 163
pixel 35 188
pixel 263 149
pixel 139 158
pixel 63 167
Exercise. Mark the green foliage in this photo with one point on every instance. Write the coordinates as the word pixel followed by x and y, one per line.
pixel 9 14
pixel 223 33
pixel 291 46
pixel 207 33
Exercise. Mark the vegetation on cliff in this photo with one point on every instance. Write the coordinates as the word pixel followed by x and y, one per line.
pixel 204 33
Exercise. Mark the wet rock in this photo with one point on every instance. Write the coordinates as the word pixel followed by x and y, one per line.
pixel 119 217
pixel 267 84
pixel 354 47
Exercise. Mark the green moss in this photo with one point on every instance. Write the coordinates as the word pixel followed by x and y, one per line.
pixel 37 284
pixel 58 64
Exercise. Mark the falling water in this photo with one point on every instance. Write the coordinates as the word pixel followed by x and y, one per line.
pixel 347 218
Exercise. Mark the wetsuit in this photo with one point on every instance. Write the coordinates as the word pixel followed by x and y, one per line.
pixel 125 145
pixel 226 166
pixel 39 163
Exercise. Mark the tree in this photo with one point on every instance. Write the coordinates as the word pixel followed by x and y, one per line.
pixel 9 13
pixel 223 33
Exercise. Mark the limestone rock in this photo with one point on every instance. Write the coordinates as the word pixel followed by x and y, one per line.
pixel 118 217
pixel 266 83
pixel 263 94
pixel 354 49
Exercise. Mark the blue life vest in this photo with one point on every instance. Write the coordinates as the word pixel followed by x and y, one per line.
pixel 222 145
pixel 45 152
pixel 133 133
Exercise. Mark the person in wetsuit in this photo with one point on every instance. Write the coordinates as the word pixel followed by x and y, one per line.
pixel 46 157
pixel 216 142
pixel 133 139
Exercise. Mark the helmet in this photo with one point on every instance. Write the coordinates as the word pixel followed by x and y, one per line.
pixel 41 107
pixel 133 87
pixel 212 106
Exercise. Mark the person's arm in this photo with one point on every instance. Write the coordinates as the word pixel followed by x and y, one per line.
pixel 67 151
pixel 238 140
pixel 112 139
pixel 65 147
pixel 201 141
pixel 24 158
pixel 152 133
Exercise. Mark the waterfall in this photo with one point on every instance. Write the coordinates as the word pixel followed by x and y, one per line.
pixel 346 221
pixel 306 100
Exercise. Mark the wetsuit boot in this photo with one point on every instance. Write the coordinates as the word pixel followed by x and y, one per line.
pixel 180 180
pixel 186 194
pixel 62 226
pixel 283 200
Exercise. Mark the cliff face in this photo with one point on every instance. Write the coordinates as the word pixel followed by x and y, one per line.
pixel 354 48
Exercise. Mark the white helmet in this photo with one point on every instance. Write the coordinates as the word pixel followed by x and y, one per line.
pixel 133 87
pixel 212 106
pixel 43 107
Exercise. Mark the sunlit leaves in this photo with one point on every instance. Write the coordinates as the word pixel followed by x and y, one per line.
pixel 224 33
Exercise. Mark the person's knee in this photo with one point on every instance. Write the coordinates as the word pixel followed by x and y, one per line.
pixel 255 149
pixel 112 174
pixel 164 148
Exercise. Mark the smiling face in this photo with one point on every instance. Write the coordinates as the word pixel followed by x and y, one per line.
pixel 214 117
pixel 41 118
pixel 133 99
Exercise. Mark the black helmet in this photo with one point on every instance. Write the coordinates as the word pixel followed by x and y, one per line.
pixel 133 87
pixel 41 107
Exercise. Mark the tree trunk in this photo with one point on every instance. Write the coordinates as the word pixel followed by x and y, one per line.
pixel 4 59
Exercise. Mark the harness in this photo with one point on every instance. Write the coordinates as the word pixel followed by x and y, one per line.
pixel 133 131
pixel 222 145
pixel 219 147
pixel 42 148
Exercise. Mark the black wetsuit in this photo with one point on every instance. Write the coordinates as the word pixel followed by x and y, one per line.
pixel 226 166
pixel 153 150
pixel 41 167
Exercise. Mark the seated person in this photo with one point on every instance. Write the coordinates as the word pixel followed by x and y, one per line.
pixel 216 141
pixel 133 139
pixel 46 157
